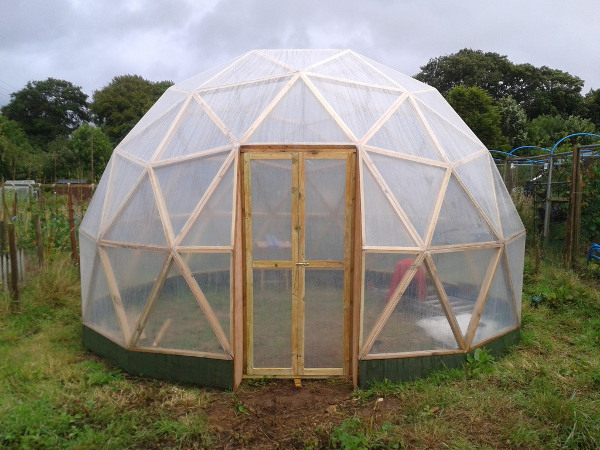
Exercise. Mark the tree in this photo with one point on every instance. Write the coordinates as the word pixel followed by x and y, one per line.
pixel 592 105
pixel 47 109
pixel 545 131
pixel 538 90
pixel 476 107
pixel 18 159
pixel 83 155
pixel 121 104
pixel 513 121
pixel 489 71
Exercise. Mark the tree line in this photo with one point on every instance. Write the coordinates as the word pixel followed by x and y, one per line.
pixel 50 129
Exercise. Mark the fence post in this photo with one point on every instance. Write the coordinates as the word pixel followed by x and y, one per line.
pixel 74 254
pixel 14 267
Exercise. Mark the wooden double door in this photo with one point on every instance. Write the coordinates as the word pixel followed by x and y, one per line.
pixel 298 232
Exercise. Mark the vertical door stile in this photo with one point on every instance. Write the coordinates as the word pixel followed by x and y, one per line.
pixel 301 223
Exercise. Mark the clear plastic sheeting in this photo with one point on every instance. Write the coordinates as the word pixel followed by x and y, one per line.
pixel 271 186
pixel 514 252
pixel 176 321
pixel 324 318
pixel 325 209
pixel 424 189
pixel 462 275
pixel 416 187
pixel 460 221
pixel 383 226
pixel 272 318
pixel 499 314
pixel 406 133
pixel 418 322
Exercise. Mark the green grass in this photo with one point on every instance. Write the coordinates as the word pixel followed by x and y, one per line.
pixel 545 393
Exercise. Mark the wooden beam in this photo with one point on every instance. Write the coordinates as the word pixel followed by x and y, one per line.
pixel 443 298
pixel 143 318
pixel 115 295
pixel 237 274
pixel 435 215
pixel 481 299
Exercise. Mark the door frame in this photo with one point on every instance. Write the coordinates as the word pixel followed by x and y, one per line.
pixel 298 154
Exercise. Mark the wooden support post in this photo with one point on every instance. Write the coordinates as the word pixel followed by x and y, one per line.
pixel 574 215
pixel 14 267
pixel 74 254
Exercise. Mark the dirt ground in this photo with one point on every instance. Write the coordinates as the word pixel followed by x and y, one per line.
pixel 275 414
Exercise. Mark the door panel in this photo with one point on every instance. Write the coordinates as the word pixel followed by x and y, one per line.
pixel 297 221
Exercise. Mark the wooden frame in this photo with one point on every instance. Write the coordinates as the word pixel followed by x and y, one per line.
pixel 297 264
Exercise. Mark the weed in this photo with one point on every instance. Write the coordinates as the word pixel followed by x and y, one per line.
pixel 480 361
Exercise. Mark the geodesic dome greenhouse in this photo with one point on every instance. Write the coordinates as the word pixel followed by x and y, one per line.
pixel 299 213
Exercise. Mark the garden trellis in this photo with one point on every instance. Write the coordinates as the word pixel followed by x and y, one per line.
pixel 299 213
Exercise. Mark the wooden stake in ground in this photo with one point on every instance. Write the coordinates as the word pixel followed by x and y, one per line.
pixel 14 267
pixel 39 238
pixel 74 254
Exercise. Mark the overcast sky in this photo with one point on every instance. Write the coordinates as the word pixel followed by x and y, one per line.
pixel 88 42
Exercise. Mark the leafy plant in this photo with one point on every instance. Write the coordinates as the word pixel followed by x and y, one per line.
pixel 480 361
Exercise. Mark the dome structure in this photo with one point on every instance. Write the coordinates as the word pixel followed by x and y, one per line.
pixel 299 213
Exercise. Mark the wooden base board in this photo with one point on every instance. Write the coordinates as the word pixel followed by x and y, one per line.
pixel 410 368
pixel 185 369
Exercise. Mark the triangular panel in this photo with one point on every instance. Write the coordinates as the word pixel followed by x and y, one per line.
pixel 88 256
pixel 299 118
pixel 213 224
pixel 183 185
pixel 99 311
pixel 499 315
pixel 516 261
pixel 167 102
pixel 196 133
pixel 212 272
pixel 136 272
pixel 176 321
pixel 383 273
pixel 476 176
pixel 299 59
pixel 197 81
pixel 144 144
pixel 93 215
pixel 358 106
pixel 404 132
pixel 459 221
pixel 139 221
pixel 511 221
pixel 253 66
pixel 418 322
pixel 437 103
pixel 349 66
pixel 123 177
pixel 462 274
pixel 455 144
pixel 403 81
pixel 416 187
pixel 239 106
pixel 383 226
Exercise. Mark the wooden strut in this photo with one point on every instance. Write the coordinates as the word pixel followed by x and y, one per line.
pixel 391 305
pixel 481 299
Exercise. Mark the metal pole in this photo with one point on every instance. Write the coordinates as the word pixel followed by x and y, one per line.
pixel 548 200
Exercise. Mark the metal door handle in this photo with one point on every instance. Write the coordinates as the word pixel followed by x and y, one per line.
pixel 302 264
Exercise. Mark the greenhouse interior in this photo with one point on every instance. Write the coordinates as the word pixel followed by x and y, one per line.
pixel 299 214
